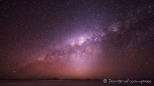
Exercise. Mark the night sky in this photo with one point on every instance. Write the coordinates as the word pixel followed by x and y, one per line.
pixel 76 39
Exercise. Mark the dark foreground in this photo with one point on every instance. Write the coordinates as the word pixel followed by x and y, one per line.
pixel 61 83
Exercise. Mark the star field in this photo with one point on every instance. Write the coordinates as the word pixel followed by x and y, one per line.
pixel 76 39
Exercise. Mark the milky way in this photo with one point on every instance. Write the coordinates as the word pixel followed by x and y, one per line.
pixel 78 39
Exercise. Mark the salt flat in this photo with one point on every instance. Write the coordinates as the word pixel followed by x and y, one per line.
pixel 59 83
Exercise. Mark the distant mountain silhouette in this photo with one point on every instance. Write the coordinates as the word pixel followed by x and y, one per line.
pixel 55 79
